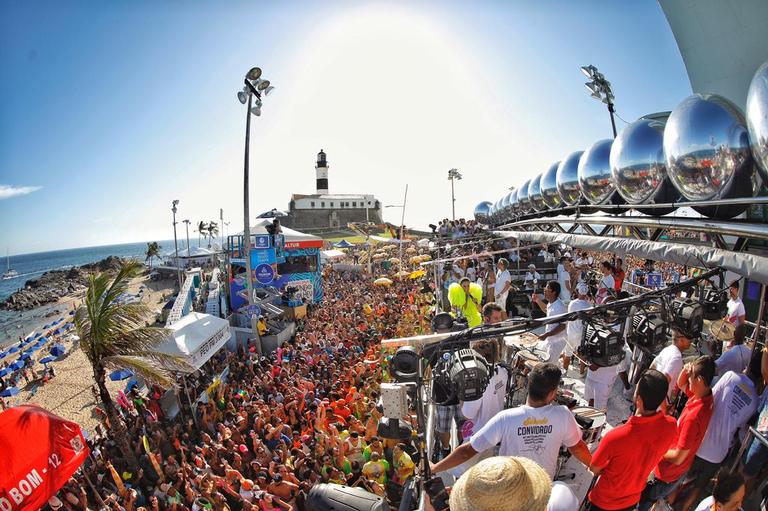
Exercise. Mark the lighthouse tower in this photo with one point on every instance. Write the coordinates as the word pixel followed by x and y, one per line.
pixel 321 173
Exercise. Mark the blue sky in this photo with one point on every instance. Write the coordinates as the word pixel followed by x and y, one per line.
pixel 114 109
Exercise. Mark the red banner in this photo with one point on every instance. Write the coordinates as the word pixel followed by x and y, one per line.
pixel 39 451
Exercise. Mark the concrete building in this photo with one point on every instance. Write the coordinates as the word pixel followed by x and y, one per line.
pixel 326 210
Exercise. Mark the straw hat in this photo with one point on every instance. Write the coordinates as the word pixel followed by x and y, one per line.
pixel 499 483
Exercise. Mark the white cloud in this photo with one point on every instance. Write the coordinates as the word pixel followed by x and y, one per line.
pixel 8 191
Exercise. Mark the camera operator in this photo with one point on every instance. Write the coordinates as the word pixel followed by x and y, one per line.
pixel 552 341
pixel 535 430
pixel 480 411
pixel 447 410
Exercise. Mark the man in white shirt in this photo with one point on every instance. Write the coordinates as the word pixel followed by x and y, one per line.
pixel 669 361
pixel 552 341
pixel 532 277
pixel 564 279
pixel 736 356
pixel 735 401
pixel 535 430
pixel 503 283
pixel 607 286
pixel 736 314
pixel 575 328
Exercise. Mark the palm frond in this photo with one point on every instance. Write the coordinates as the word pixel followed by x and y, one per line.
pixel 147 369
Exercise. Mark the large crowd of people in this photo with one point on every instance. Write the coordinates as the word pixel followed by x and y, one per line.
pixel 265 428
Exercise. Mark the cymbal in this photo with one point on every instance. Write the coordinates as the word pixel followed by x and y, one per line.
pixel 525 339
pixel 722 330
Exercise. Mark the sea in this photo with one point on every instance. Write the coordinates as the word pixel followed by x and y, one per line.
pixel 30 266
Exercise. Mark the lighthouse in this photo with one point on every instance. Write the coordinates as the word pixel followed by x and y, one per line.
pixel 321 173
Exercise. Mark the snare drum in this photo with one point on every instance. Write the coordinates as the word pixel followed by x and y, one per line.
pixel 598 420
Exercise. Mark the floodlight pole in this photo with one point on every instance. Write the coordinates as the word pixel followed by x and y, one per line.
pixel 612 110
pixel 246 207
pixel 176 243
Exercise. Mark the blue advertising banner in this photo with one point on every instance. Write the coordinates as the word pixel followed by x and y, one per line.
pixel 262 241
pixel 264 273
pixel 262 256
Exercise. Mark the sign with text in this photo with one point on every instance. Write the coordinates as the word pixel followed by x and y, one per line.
pixel 41 451
pixel 264 274
pixel 262 241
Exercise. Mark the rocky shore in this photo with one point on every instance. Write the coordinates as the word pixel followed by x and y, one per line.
pixel 56 284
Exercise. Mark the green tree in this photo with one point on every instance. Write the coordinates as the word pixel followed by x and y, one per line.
pixel 113 334
pixel 202 228
pixel 153 250
pixel 213 231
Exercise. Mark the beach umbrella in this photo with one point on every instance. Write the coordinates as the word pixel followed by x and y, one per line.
pixel 343 244
pixel 47 325
pixel 10 391
pixel 33 348
pixel 58 350
pixel 5 370
pixel 416 274
pixel 133 383
pixel 38 334
pixel 401 274
pixel 16 365
pixel 14 349
pixel 58 331
pixel 25 355
pixel 382 282
pixel 120 374
pixel 47 360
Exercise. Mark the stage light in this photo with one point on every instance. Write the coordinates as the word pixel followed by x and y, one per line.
pixel 688 314
pixel 588 70
pixel 254 73
pixel 263 84
pixel 468 373
pixel 404 366
pixel 601 345
pixel 242 97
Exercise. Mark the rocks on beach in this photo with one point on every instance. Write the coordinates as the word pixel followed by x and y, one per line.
pixel 53 285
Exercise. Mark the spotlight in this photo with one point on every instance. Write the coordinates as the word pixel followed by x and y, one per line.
pixel 588 70
pixel 649 330
pixel 688 314
pixel 263 84
pixel 242 97
pixel 404 366
pixel 469 373
pixel 254 73
pixel 601 345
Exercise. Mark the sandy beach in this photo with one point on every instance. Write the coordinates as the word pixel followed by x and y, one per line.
pixel 69 394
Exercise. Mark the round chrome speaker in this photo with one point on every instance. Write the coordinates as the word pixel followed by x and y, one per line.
pixel 638 168
pixel 549 192
pixel 707 150
pixel 757 120
pixel 522 198
pixel 568 179
pixel 482 212
pixel 534 194
pixel 514 206
pixel 595 175
pixel 506 213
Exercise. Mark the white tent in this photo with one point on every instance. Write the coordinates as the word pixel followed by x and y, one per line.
pixel 193 252
pixel 260 227
pixel 330 255
pixel 195 338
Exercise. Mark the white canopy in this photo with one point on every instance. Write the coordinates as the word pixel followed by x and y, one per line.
pixel 260 227
pixel 196 337
pixel 382 239
pixel 192 252
pixel 331 254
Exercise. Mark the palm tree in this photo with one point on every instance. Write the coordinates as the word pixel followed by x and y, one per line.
pixel 201 229
pixel 113 335
pixel 213 230
pixel 153 250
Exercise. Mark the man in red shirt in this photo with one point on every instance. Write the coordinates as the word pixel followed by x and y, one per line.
pixel 628 453
pixel 695 380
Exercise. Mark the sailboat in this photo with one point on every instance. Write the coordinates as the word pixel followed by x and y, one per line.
pixel 9 272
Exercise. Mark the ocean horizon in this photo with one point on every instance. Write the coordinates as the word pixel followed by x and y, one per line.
pixel 30 266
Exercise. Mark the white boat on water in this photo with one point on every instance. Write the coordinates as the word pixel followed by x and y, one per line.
pixel 9 272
